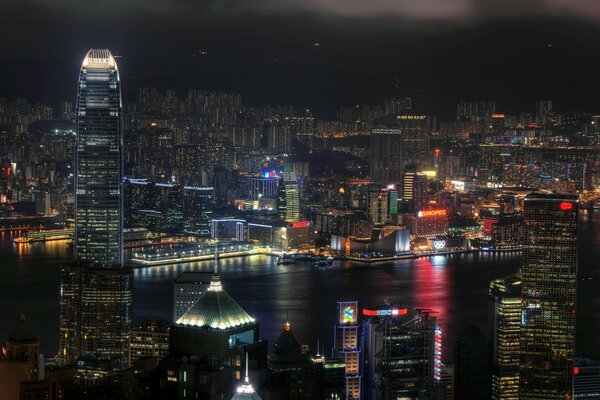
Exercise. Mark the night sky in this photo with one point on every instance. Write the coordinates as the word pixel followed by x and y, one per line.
pixel 438 51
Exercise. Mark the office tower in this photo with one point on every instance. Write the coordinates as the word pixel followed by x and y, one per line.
pixel 328 377
pixel 471 377
pixel 291 364
pixel 187 290
pixel 549 282
pixel 96 291
pixel 396 144
pixel 288 202
pixel 150 340
pixel 402 353
pixel 505 330
pixel 378 207
pixel 95 312
pixel 207 350
pixel 414 190
pixel 98 162
pixel 346 347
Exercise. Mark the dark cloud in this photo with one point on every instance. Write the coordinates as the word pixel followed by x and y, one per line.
pixel 434 10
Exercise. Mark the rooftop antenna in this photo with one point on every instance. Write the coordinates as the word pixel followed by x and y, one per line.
pixel 246 379
pixel 216 259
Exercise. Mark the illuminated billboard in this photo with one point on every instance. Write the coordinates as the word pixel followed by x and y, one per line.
pixel 348 312
pixel 299 224
pixel 438 212
pixel 384 312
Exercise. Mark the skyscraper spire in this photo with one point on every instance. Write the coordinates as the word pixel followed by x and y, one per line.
pixel 245 391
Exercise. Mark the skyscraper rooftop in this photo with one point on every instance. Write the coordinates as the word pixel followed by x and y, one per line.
pixel 99 58
pixel 216 309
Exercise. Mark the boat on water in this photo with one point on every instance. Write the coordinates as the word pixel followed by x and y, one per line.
pixel 285 259
pixel 44 235
pixel 323 261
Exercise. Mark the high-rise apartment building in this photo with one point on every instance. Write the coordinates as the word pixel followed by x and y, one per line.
pixel 96 291
pixel 549 282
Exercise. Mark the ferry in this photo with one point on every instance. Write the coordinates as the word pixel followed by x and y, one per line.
pixel 43 235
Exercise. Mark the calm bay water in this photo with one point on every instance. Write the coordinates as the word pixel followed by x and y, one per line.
pixel 454 286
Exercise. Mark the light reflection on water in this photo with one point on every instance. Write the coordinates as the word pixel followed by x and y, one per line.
pixel 455 286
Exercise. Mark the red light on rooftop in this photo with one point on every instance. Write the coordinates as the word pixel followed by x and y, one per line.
pixel 299 224
pixel 575 370
pixel 566 206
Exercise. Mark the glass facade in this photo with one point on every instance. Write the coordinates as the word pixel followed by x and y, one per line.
pixel 548 297
pixel 98 162
pixel 96 291
pixel 505 331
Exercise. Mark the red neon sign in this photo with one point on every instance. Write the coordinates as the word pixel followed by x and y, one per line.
pixel 575 370
pixel 566 206
pixel 300 224
pixel 440 212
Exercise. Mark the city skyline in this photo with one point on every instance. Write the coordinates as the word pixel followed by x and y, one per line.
pixel 299 200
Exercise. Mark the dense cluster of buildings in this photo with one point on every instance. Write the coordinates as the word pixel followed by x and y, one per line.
pixel 381 182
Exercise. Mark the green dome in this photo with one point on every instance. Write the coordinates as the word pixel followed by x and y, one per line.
pixel 215 309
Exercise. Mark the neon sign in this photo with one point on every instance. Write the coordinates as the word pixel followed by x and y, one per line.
pixel 386 312
pixel 347 312
pixel 269 174
pixel 439 244
pixel 348 315
pixel 439 212
pixel 299 224
pixel 566 206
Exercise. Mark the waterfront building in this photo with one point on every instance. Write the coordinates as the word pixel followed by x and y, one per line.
pixel 187 290
pixel 549 283
pixel 505 330
pixel 402 353
pixel 347 347
pixel 429 222
pixel 150 340
pixel 228 229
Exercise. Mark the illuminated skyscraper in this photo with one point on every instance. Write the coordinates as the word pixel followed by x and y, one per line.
pixel 548 297
pixel 396 142
pixel 98 162
pixel 505 330
pixel 347 347
pixel 96 291
pixel 288 202
pixel 402 353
